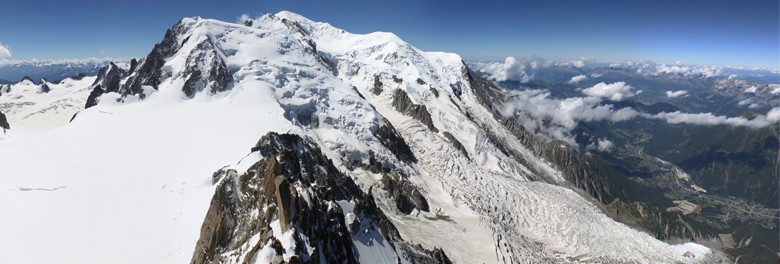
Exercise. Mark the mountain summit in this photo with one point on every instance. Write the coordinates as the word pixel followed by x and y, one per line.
pixel 281 139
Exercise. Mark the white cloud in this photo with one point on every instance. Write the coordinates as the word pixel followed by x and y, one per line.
pixel 613 91
pixel 654 69
pixel 773 115
pixel 775 88
pixel 676 94
pixel 578 63
pixel 552 118
pixel 5 52
pixel 602 144
pixel 243 18
pixel 577 79
pixel 510 70
pixel 709 119
pixel 706 71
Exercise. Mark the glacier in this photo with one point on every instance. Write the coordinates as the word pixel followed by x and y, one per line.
pixel 129 179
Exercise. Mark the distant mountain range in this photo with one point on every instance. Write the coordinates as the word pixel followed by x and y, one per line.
pixel 13 71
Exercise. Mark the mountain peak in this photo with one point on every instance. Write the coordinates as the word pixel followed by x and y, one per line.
pixel 415 131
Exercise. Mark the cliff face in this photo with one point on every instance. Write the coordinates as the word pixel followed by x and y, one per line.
pixel 294 206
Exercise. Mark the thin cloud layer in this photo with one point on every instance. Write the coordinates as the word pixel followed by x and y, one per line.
pixel 709 119
pixel 676 94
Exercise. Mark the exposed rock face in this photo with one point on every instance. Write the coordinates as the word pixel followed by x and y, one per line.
pixel 133 65
pixel 321 210
pixel 377 85
pixel 485 91
pixel 150 69
pixel 44 87
pixel 4 122
pixel 27 78
pixel 93 96
pixel 393 141
pixel 206 70
pixel 435 92
pixel 406 196
pixel 107 81
pixel 404 104
pixel 456 143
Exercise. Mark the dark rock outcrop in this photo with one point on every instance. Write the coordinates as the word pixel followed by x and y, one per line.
pixel 27 78
pixel 404 104
pixel 295 184
pixel 377 85
pixel 107 81
pixel 133 65
pixel 206 70
pixel 456 143
pixel 44 87
pixel 4 122
pixel 149 71
pixel 406 196
pixel 435 92
pixel 393 141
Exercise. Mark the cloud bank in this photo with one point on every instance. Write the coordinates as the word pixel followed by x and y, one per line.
pixel 553 118
pixel 708 119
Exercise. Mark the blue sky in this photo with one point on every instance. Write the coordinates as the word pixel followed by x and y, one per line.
pixel 745 33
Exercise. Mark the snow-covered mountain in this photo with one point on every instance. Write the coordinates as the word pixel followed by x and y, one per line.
pixel 45 105
pixel 367 147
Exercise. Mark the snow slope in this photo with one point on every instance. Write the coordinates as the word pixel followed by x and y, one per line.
pixel 30 109
pixel 130 182
pixel 524 213
pixel 123 183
